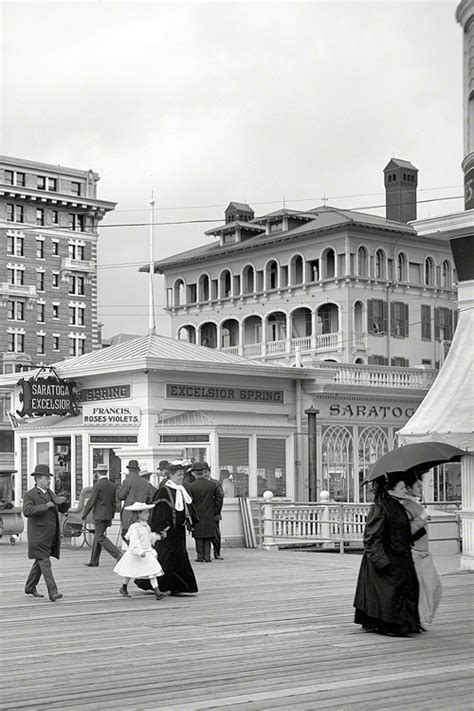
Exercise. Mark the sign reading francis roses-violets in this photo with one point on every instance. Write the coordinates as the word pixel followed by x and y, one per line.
pixel 110 415
pixel 213 392
pixel 47 396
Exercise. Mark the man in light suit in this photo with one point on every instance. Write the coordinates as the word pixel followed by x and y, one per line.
pixel 40 507
pixel 135 487
pixel 102 503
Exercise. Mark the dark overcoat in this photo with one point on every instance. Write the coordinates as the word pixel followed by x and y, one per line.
pixel 134 488
pixel 387 586
pixel 102 501
pixel 43 523
pixel 208 498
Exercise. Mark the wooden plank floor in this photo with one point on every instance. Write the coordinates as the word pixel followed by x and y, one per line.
pixel 268 630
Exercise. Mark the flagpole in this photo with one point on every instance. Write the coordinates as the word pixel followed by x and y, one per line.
pixel 151 305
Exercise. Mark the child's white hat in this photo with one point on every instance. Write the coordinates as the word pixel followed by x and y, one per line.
pixel 139 506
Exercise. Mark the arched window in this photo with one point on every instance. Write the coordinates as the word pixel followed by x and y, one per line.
pixel 373 443
pixel 401 267
pixel 203 288
pixel 446 275
pixel 209 335
pixel 187 333
pixel 225 284
pixel 272 275
pixel 338 463
pixel 359 361
pixel 179 293
pixel 362 262
pixel 296 270
pixel 248 280
pixel 429 271
pixel 230 333
pixel 329 264
pixel 379 264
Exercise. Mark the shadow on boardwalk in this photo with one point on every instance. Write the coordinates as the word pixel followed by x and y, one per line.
pixel 267 631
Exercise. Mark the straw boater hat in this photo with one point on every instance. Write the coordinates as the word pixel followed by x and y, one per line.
pixel 139 506
pixel 101 468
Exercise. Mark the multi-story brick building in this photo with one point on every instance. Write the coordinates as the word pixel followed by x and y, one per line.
pixel 49 217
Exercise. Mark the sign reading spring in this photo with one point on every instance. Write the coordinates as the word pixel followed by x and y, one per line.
pixel 47 396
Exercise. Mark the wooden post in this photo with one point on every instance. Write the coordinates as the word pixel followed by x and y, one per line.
pixel 268 522
pixel 312 463
pixel 341 528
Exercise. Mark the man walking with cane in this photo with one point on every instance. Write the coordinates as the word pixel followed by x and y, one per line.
pixel 102 503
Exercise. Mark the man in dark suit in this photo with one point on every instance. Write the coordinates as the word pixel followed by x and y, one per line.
pixel 102 503
pixel 135 487
pixel 40 507
pixel 207 502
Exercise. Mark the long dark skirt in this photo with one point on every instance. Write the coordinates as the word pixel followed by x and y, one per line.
pixel 387 602
pixel 173 558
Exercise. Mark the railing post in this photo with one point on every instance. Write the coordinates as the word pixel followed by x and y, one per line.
pixel 341 528
pixel 325 531
pixel 268 522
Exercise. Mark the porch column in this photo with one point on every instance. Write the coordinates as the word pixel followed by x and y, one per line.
pixel 314 326
pixel 312 463
pixel 289 321
pixel 467 512
pixel 241 339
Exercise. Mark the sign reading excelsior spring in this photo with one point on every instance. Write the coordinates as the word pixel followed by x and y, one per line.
pixel 211 392
pixel 47 396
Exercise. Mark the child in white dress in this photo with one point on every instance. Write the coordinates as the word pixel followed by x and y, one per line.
pixel 140 559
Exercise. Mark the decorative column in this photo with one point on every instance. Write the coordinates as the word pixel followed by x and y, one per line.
pixel 465 17
pixel 312 453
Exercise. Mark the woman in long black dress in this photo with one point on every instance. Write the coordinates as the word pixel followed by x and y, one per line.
pixel 172 515
pixel 386 598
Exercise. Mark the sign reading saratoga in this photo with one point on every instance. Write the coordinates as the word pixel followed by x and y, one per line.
pixel 47 396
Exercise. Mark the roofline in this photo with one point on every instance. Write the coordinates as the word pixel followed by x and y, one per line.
pixel 48 196
pixel 171 365
pixel 269 240
pixel 47 167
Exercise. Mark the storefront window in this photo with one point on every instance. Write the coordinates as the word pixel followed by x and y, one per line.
pixel 338 463
pixel 447 482
pixel 62 466
pixel 104 455
pixel 42 453
pixel 234 459
pixel 373 443
pixel 271 466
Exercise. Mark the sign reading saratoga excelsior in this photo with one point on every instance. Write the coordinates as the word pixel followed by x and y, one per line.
pixel 47 396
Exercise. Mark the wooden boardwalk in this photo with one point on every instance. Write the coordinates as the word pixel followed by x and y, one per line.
pixel 268 630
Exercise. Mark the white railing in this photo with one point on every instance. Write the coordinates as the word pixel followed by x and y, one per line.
pixel 327 341
pixel 381 375
pixel 359 340
pixel 77 265
pixel 233 350
pixel 18 290
pixel 302 343
pixel 252 350
pixel 276 347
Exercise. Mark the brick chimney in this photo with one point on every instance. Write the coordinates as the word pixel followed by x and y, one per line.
pixel 401 180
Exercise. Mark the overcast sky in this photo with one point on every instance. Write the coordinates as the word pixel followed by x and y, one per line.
pixel 205 103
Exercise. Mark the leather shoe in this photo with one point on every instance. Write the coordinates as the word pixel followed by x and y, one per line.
pixel 207 560
pixel 91 565
pixel 199 560
pixel 218 557
pixel 123 591
pixel 55 596
pixel 33 592
pixel 160 595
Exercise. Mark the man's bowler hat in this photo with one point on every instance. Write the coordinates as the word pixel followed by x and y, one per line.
pixel 200 467
pixel 133 464
pixel 41 470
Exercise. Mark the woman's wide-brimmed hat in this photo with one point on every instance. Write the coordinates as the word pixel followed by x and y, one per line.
pixel 41 470
pixel 177 464
pixel 139 506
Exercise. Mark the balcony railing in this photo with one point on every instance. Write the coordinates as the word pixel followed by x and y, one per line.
pixel 22 290
pixel 77 265
pixel 381 375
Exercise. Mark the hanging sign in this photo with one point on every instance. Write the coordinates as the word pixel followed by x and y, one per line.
pixel 47 396
pixel 110 415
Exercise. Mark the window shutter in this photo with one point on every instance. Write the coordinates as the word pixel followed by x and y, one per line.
pixel 370 316
pixel 406 320
pixel 436 323
pixel 449 324
pixel 392 319
pixel 384 317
